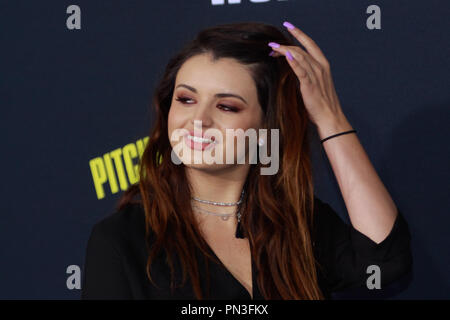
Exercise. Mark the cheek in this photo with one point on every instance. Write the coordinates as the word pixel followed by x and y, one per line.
pixel 170 121
pixel 240 143
pixel 174 119
pixel 172 125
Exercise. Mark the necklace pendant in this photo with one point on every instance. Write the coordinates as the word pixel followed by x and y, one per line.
pixel 225 218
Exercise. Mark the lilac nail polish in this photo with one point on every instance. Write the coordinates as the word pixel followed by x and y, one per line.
pixel 289 55
pixel 271 53
pixel 288 25
pixel 274 45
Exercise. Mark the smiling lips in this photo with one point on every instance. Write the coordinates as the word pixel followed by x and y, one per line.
pixel 198 142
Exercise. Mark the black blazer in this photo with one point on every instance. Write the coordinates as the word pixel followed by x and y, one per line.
pixel 116 258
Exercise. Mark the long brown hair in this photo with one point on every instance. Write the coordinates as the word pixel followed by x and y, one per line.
pixel 277 217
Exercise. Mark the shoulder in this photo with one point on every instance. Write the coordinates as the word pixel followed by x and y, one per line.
pixel 113 240
pixel 121 226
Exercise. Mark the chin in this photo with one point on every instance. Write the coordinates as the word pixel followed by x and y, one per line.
pixel 209 168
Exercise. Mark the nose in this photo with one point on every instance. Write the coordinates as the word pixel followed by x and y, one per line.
pixel 202 117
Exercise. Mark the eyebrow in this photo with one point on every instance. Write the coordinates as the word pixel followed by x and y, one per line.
pixel 218 95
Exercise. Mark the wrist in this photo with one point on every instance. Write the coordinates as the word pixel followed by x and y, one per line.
pixel 333 126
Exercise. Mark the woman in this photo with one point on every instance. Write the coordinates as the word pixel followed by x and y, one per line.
pixel 197 230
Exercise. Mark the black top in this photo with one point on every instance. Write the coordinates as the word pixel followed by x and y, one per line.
pixel 116 257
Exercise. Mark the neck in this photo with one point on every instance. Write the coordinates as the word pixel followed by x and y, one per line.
pixel 221 186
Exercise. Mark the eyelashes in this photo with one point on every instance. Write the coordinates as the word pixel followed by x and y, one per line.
pixel 223 107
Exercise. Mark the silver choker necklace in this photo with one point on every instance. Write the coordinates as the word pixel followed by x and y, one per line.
pixel 222 204
pixel 224 216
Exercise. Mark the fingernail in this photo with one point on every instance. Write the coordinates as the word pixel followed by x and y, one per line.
pixel 289 55
pixel 271 53
pixel 274 45
pixel 288 25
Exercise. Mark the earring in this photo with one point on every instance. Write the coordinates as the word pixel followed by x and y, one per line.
pixel 260 142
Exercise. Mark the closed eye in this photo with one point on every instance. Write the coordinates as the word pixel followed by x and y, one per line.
pixel 182 100
pixel 222 106
pixel 227 108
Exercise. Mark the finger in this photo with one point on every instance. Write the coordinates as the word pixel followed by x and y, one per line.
pixel 300 60
pixel 316 66
pixel 300 72
pixel 312 66
pixel 307 42
pixel 275 54
pixel 304 74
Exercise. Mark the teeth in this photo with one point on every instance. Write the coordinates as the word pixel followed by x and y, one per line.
pixel 200 140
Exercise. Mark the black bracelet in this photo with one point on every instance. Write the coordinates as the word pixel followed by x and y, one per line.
pixel 337 134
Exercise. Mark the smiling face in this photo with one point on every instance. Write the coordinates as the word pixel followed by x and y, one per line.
pixel 213 97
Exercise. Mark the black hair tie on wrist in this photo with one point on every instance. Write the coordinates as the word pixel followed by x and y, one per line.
pixel 337 134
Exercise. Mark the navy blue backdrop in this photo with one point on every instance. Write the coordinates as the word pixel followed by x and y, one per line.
pixel 75 116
